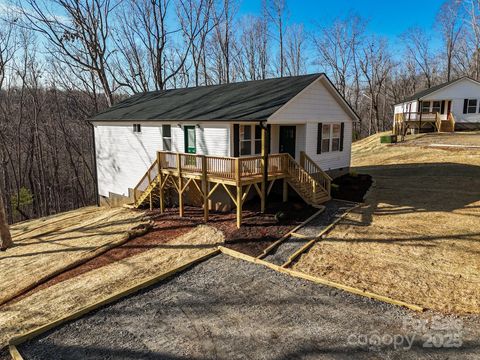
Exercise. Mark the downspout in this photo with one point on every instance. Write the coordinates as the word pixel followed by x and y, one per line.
pixel 95 172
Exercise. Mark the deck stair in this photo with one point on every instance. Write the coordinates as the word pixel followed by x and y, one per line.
pixel 207 173
pixel 309 180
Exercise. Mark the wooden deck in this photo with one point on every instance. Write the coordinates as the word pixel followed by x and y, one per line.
pixel 409 120
pixel 237 176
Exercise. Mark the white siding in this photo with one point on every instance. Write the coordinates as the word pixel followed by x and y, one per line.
pixel 314 105
pixel 457 92
pixel 330 160
pixel 123 156
pixel 406 107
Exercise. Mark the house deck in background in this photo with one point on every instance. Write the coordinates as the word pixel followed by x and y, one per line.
pixel 454 105
pixel 210 143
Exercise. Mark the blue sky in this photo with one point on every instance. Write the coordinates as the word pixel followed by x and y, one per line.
pixel 388 18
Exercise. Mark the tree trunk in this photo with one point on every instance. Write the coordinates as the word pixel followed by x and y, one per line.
pixel 5 237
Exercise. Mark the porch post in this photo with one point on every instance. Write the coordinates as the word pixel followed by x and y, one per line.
pixel 420 103
pixel 180 185
pixel 160 182
pixel 264 164
pixel 239 192
pixel 205 188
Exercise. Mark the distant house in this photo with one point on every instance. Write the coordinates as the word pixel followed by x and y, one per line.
pixel 303 116
pixel 454 105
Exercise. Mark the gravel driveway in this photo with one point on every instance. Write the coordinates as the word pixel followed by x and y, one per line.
pixel 226 308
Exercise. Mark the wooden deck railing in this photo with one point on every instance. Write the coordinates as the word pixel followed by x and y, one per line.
pixel 236 171
pixel 416 116
pixel 219 166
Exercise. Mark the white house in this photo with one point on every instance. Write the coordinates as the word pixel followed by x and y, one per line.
pixel 454 105
pixel 304 116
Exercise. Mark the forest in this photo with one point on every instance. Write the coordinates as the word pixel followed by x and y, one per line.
pixel 62 61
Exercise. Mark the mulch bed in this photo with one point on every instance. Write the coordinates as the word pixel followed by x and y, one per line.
pixel 257 233
pixel 351 187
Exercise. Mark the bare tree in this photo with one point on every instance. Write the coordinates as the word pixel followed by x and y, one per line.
pixel 80 34
pixel 5 236
pixel 418 46
pixel 450 25
pixel 252 50
pixel 197 22
pixel 338 47
pixel 295 54
pixel 277 10
pixel 473 19
pixel 376 65
pixel 224 40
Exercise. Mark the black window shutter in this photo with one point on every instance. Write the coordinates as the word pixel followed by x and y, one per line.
pixel 342 132
pixel 236 140
pixel 442 107
pixel 465 106
pixel 319 138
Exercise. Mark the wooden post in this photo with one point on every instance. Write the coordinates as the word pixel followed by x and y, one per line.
pixel 180 185
pixel 160 182
pixel 285 190
pixel 150 199
pixel 205 188
pixel 302 158
pixel 264 165
pixel 421 112
pixel 239 192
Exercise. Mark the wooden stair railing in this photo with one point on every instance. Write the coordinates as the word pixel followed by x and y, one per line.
pixel 451 119
pixel 315 171
pixel 438 122
pixel 146 184
pixel 314 192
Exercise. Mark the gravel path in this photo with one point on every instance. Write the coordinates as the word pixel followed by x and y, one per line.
pixel 226 308
pixel 333 210
pixel 281 254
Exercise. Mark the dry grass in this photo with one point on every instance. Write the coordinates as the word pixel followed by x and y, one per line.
pixel 73 294
pixel 46 247
pixel 417 238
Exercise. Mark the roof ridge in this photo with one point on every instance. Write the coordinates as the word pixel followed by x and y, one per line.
pixel 231 83
pixel 424 92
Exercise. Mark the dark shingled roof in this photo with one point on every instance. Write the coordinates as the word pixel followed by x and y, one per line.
pixel 245 101
pixel 423 93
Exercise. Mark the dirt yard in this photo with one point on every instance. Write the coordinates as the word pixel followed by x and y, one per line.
pixel 226 308
pixel 49 246
pixel 63 298
pixel 417 238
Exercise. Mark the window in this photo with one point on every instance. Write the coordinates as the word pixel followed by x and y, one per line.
pixel 137 128
pixel 472 106
pixel 331 138
pixel 245 140
pixel 425 107
pixel 325 138
pixel 336 137
pixel 436 107
pixel 167 137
